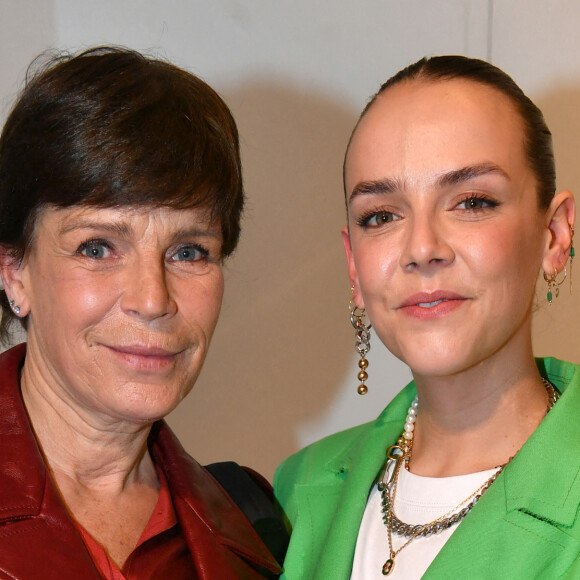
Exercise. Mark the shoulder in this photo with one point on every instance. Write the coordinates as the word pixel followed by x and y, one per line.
pixel 319 462
pixel 309 463
pixel 561 373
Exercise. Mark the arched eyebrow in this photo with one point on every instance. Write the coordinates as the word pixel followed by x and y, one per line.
pixel 377 187
pixel 470 172
pixel 453 177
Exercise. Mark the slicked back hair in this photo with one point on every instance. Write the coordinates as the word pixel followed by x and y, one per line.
pixel 537 144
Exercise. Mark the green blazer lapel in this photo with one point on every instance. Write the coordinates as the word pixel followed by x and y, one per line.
pixel 527 521
pixel 359 471
pixel 331 509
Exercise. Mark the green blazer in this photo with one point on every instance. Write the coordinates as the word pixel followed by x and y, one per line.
pixel 525 526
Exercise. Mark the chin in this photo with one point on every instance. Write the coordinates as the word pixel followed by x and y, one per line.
pixel 434 362
pixel 145 406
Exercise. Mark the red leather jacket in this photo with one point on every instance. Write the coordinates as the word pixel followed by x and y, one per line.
pixel 38 540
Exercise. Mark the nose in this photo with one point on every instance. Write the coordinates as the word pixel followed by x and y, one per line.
pixel 426 246
pixel 147 292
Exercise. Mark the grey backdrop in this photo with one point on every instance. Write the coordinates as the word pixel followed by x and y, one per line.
pixel 296 73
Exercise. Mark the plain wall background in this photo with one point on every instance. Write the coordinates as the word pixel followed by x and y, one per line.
pixel 296 73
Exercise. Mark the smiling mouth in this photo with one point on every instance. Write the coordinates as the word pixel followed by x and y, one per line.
pixel 144 352
pixel 432 305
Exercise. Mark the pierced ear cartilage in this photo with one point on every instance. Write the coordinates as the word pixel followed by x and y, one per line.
pixel 362 344
pixel 572 254
pixel 553 283
pixel 15 307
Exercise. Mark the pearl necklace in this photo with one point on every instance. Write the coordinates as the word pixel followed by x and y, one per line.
pixel 399 455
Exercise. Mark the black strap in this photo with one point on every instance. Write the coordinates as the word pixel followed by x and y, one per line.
pixel 258 507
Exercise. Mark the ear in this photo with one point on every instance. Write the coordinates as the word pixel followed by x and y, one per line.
pixel 352 274
pixel 11 270
pixel 560 218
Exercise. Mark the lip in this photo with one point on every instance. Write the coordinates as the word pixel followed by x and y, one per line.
pixel 146 351
pixel 430 305
pixel 147 358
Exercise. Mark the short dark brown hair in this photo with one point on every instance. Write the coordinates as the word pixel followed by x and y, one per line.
pixel 110 127
pixel 538 147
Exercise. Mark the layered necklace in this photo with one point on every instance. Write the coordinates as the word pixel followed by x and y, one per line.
pixel 399 455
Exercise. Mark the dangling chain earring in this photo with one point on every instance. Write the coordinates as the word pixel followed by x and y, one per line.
pixel 553 283
pixel 362 344
pixel 572 254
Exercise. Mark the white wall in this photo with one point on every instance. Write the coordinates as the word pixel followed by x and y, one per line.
pixel 26 28
pixel 296 73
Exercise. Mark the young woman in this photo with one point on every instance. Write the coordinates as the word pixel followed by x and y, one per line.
pixel 472 471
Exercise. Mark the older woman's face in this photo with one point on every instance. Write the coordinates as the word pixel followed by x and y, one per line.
pixel 122 305
pixel 446 238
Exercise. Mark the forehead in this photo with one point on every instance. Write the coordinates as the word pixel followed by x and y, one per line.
pixel 127 221
pixel 425 128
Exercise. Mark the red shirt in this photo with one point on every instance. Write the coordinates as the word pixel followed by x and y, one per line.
pixel 161 544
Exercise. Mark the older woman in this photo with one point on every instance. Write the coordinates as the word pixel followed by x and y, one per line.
pixel 120 196
pixel 473 470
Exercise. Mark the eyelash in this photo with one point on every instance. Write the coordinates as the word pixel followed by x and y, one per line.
pixel 364 219
pixel 488 203
pixel 95 242
pixel 204 252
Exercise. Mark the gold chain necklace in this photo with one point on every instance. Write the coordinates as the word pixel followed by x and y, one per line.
pixel 399 455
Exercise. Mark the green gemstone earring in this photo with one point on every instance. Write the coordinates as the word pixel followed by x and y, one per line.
pixel 553 283
pixel 572 254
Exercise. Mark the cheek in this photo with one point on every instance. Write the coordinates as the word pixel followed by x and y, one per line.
pixel 506 254
pixel 88 293
pixel 375 264
pixel 200 304
pixel 72 300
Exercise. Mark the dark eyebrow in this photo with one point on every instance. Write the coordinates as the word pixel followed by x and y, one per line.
pixel 470 172
pixel 376 187
pixel 453 177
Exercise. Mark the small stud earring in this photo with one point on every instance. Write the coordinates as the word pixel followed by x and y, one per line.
pixel 15 307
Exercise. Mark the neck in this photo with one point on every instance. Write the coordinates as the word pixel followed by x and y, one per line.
pixel 477 419
pixel 84 449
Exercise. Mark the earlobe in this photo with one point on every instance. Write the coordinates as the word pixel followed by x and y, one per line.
pixel 11 273
pixel 352 273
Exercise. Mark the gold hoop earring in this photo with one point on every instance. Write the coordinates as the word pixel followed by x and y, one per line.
pixel 553 283
pixel 362 343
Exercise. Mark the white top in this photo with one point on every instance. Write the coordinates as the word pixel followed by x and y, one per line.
pixel 418 500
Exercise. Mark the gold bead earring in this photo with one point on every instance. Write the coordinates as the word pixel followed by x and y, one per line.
pixel 362 343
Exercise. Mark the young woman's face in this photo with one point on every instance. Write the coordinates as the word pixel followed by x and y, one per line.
pixel 445 238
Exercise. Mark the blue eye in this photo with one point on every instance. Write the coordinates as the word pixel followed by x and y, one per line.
pixel 95 249
pixel 190 254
